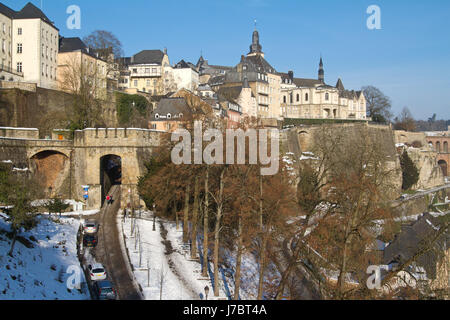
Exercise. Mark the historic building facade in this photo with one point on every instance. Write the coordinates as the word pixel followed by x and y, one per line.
pixel 281 95
pixel 29 41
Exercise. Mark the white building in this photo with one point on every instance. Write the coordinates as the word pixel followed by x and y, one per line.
pixel 185 76
pixel 29 46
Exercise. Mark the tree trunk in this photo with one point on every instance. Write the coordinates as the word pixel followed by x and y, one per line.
pixel 194 222
pixel 262 254
pixel 205 226
pixel 237 278
pixel 10 253
pixel 262 267
pixel 186 214
pixel 216 235
pixel 175 211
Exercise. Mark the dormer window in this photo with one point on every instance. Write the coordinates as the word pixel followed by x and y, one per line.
pixel 181 115
pixel 169 116
pixel 156 116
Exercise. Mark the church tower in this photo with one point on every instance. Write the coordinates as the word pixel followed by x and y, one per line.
pixel 255 47
pixel 321 71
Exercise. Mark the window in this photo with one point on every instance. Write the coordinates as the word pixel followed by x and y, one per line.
pixel 19 48
pixel 19 66
pixel 298 97
pixel 327 96
pixel 19 31
pixel 168 126
pixel 154 126
pixel 306 97
pixel 169 116
pixel 43 68
pixel 3 45
pixel 135 83
pixel 154 70
pixel 284 99
pixel 4 27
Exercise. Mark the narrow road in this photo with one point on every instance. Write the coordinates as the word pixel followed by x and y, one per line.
pixel 109 251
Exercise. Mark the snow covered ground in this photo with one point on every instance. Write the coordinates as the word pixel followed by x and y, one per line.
pixel 40 273
pixel 169 262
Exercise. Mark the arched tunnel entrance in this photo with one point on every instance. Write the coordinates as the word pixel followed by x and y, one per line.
pixel 52 170
pixel 110 173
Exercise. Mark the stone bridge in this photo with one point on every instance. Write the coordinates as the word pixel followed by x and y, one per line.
pixel 63 165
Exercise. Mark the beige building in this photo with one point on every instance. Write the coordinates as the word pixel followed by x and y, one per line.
pixel 313 99
pixel 147 71
pixel 77 63
pixel 281 96
pixel 29 46
pixel 262 78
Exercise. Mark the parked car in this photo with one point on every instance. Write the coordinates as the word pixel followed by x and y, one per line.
pixel 97 272
pixel 104 290
pixel 90 226
pixel 89 240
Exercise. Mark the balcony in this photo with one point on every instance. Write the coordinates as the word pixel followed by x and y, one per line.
pixel 10 70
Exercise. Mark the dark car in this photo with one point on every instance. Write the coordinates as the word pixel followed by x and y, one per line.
pixel 104 290
pixel 89 240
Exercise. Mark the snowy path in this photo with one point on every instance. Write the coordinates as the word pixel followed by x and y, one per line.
pixel 171 268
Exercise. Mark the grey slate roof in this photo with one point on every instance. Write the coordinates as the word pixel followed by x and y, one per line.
pixel 174 106
pixel 415 237
pixel 30 11
pixel 71 44
pixel 185 65
pixel 257 64
pixel 7 11
pixel 300 82
pixel 148 57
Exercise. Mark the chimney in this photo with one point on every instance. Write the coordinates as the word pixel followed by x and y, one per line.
pixel 291 75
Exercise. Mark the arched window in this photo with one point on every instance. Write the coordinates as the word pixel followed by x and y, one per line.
pixel 445 147
pixel 327 96
pixel 438 147
pixel 306 97
pixel 284 99
pixel 298 97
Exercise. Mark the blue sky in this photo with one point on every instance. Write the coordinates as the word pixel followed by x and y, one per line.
pixel 408 59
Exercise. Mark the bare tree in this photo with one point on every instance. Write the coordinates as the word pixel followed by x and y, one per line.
pixel 405 121
pixel 378 104
pixel 105 43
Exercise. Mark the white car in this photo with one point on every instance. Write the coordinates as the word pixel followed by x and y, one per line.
pixel 90 226
pixel 97 272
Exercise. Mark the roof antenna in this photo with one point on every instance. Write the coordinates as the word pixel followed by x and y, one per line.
pixel 255 24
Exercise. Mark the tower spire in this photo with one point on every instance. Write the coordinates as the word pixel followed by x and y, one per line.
pixel 321 71
pixel 255 47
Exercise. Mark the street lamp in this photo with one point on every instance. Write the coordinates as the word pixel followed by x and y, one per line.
pixel 206 292
pixel 154 217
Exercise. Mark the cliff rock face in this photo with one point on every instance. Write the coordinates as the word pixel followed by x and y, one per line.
pixel 298 142
pixel 423 156
pixel 430 174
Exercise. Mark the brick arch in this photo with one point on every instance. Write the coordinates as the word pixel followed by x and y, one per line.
pixel 52 168
pixel 33 152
